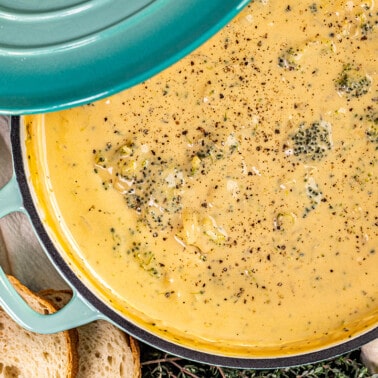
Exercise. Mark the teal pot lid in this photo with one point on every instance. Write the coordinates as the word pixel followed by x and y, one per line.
pixel 63 53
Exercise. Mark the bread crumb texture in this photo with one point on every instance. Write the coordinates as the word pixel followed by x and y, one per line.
pixel 27 354
pixel 104 350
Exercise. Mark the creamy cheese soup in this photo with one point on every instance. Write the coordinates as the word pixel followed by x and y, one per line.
pixel 230 203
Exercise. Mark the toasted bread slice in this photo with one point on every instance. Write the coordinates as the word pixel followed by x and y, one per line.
pixel 104 350
pixel 27 354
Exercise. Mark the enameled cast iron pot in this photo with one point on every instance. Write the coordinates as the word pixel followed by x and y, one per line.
pixel 86 306
pixel 41 77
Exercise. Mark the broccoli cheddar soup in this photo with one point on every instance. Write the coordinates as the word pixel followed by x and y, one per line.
pixel 230 203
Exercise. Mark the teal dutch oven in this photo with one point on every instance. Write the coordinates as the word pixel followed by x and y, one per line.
pixel 85 306
pixel 98 48
pixel 64 53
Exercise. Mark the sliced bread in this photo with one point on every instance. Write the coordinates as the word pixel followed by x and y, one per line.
pixel 369 356
pixel 27 354
pixel 104 350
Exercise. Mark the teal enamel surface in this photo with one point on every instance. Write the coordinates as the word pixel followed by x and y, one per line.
pixel 77 312
pixel 40 31
pixel 66 53
pixel 10 198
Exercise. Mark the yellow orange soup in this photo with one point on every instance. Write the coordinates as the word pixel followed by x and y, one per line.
pixel 230 203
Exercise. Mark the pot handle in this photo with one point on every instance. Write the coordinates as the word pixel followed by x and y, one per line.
pixel 10 198
pixel 75 313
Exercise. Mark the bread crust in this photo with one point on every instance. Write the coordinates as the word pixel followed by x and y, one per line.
pixel 135 350
pixel 61 297
pixel 69 337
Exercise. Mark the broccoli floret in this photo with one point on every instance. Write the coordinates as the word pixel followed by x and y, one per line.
pixel 352 82
pixel 289 59
pixel 313 8
pixel 312 142
pixel 367 28
pixel 314 194
pixel 369 121
pixel 372 130
pixel 372 133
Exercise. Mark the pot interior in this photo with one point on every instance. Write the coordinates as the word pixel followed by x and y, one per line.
pixel 229 204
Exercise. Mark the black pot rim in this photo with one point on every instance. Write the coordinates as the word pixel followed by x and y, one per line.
pixel 145 336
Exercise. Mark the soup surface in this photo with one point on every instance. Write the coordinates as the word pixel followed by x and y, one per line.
pixel 230 203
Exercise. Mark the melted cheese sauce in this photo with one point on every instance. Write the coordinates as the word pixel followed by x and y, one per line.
pixel 230 203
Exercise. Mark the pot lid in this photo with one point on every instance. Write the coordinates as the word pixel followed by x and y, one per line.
pixel 63 53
